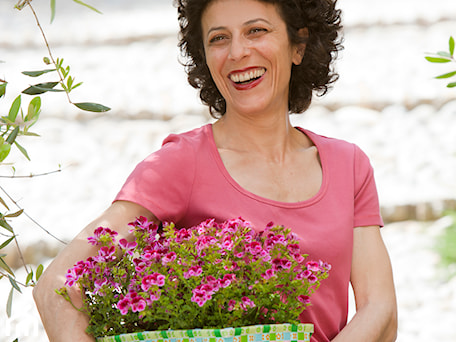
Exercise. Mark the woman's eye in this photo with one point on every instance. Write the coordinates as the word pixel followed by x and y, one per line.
pixel 216 39
pixel 256 30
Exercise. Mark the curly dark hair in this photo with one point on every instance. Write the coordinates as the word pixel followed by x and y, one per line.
pixel 320 17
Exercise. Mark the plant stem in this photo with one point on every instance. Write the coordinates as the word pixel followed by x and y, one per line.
pixel 62 82
pixel 33 175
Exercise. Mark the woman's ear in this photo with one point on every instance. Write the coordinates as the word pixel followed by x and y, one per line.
pixel 301 47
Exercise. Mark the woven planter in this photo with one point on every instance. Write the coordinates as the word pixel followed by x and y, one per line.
pixel 254 333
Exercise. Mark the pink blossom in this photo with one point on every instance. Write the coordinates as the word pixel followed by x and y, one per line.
pixel 227 243
pixel 293 248
pixel 169 257
pixel 265 255
pixel 227 280
pixel 254 248
pixel 268 274
pixel 278 264
pixel 105 253
pixel 152 279
pixel 137 304
pixel 128 246
pixel 200 296
pixel 313 266
pixel 312 279
pixel 298 257
pixel 73 275
pixel 154 296
pixel 123 306
pixel 183 234
pixel 193 271
pixel 231 304
pixel 98 233
pixel 247 303
pixel 304 299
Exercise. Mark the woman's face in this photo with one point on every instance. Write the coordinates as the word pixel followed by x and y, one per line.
pixel 249 54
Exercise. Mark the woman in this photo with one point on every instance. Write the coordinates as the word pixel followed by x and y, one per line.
pixel 254 63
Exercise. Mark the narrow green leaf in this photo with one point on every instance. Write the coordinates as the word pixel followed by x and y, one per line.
pixel 14 284
pixel 451 85
pixel 39 271
pixel 448 75
pixel 5 149
pixel 77 85
pixel 23 150
pixel 37 73
pixel 9 303
pixel 3 89
pixel 7 242
pixel 13 135
pixel 14 110
pixel 88 6
pixel 52 10
pixel 4 203
pixel 92 107
pixel 451 46
pixel 16 214
pixel 438 60
pixel 444 54
pixel 41 88
pixel 4 265
pixel 33 109
pixel 29 277
pixel 6 225
pixel 30 134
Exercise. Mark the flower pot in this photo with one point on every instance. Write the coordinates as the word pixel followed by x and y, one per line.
pixel 254 333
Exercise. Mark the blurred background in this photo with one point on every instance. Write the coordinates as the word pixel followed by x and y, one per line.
pixel 386 101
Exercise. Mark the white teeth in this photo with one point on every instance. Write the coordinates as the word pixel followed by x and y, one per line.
pixel 247 76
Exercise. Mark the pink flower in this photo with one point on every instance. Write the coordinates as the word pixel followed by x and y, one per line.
pixel 303 299
pixel 227 280
pixel 128 246
pixel 73 275
pixel 169 257
pixel 98 233
pixel 200 296
pixel 293 248
pixel 193 271
pixel 152 279
pixel 137 304
pixel 123 306
pixel 227 243
pixel 183 234
pixel 231 304
pixel 268 274
pixel 254 248
pixel 313 266
pixel 247 303
pixel 105 253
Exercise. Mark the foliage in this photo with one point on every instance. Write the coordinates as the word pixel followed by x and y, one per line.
pixel 445 57
pixel 446 246
pixel 17 123
pixel 214 275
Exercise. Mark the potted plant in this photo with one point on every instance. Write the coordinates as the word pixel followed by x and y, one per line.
pixel 223 279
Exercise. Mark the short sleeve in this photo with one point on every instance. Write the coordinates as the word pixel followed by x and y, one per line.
pixel 366 203
pixel 162 182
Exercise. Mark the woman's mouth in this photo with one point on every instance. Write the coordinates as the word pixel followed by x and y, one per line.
pixel 246 77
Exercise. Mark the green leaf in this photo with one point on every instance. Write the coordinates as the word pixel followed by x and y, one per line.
pixel 23 150
pixel 39 271
pixel 16 214
pixel 4 203
pixel 37 73
pixel 448 75
pixel 451 85
pixel 438 60
pixel 14 110
pixel 7 242
pixel 3 89
pixel 451 46
pixel 33 109
pixel 4 265
pixel 41 88
pixel 88 6
pixel 14 284
pixel 92 107
pixel 9 303
pixel 444 54
pixel 52 10
pixel 29 277
pixel 5 149
pixel 13 135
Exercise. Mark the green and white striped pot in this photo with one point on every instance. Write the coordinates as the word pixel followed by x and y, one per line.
pixel 254 333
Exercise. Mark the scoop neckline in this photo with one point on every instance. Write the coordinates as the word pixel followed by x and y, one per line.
pixel 316 198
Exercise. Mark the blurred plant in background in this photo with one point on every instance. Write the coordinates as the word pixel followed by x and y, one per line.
pixel 446 242
pixel 15 125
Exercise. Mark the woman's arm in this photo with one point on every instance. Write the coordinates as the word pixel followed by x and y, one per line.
pixel 373 286
pixel 60 319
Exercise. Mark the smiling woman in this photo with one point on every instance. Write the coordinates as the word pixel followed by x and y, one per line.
pixel 255 62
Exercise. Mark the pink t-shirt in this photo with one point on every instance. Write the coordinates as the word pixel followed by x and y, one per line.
pixel 185 182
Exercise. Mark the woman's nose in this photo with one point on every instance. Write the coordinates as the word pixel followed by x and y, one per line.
pixel 239 48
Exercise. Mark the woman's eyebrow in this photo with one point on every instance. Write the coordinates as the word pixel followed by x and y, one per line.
pixel 247 23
